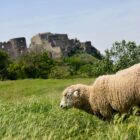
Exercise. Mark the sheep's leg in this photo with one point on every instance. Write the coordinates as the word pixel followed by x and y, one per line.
pixel 107 111
pixel 136 110
pixel 98 114
pixel 106 114
pixel 103 111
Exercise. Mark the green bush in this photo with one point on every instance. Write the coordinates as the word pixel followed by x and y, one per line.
pixel 4 62
pixel 31 65
pixel 14 71
pixel 59 72
pixel 37 65
pixel 86 70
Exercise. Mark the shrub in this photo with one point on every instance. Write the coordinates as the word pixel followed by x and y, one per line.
pixel 4 62
pixel 59 72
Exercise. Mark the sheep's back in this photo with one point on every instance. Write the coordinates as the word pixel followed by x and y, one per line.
pixel 119 91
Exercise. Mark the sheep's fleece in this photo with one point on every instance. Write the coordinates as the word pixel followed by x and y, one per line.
pixel 109 93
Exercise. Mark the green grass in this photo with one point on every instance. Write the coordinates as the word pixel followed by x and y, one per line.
pixel 29 109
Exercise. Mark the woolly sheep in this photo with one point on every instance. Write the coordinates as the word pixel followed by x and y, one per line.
pixel 109 93
pixel 77 96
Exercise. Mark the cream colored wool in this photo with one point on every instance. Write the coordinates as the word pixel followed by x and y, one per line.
pixel 108 94
pixel 118 92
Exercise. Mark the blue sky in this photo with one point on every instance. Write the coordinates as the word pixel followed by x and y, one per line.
pixel 102 22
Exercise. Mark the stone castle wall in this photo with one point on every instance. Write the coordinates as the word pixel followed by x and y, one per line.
pixel 57 45
pixel 60 42
pixel 14 47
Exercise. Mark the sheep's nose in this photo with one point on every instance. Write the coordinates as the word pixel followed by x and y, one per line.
pixel 61 106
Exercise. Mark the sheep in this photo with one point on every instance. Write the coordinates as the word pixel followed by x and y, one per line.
pixel 77 96
pixel 109 94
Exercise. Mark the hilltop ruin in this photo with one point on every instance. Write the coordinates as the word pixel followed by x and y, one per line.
pixel 14 47
pixel 57 45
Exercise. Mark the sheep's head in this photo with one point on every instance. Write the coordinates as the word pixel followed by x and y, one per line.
pixel 72 96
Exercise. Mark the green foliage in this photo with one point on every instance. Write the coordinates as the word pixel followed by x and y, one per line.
pixel 124 54
pixel 31 65
pixel 15 71
pixel 59 72
pixel 94 67
pixel 80 64
pixel 38 64
pixel 29 109
pixel 74 63
pixel 4 62
pixel 120 56
pixel 86 70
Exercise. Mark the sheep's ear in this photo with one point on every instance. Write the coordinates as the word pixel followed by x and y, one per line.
pixel 76 93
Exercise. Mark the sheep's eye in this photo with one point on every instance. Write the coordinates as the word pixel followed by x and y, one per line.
pixel 69 95
pixel 64 94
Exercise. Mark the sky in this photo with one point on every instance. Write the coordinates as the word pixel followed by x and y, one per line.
pixel 100 21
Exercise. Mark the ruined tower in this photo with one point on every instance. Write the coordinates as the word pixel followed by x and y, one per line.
pixel 14 47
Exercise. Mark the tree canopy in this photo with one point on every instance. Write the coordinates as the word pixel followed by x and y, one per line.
pixel 39 65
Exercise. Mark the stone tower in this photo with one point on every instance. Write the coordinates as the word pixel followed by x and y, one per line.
pixel 14 47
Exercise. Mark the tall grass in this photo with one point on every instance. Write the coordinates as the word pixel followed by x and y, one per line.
pixel 29 109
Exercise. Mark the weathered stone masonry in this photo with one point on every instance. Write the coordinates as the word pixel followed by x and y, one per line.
pixel 57 45
pixel 14 47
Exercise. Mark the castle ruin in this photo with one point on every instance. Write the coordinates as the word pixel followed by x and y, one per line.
pixel 59 45
pixel 14 47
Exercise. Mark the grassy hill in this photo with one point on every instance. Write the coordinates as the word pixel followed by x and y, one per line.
pixel 29 109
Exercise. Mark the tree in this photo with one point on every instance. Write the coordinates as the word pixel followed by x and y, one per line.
pixel 124 54
pixel 37 65
pixel 31 65
pixel 4 62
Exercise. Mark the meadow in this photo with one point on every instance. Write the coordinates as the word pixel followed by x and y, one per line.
pixel 29 110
